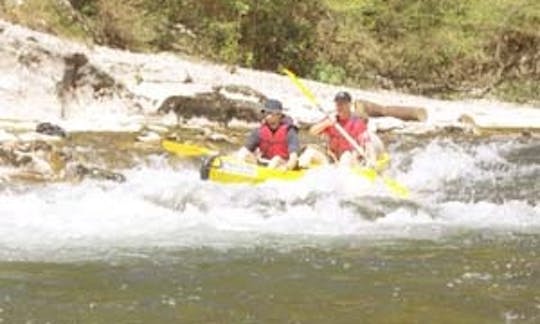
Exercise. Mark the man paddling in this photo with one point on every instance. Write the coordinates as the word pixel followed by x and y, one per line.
pixel 275 142
pixel 340 149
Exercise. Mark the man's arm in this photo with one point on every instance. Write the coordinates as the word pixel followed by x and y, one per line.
pixel 294 147
pixel 321 126
pixel 293 141
pixel 253 140
pixel 374 149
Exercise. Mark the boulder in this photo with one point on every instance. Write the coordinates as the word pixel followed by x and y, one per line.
pixel 50 129
pixel 83 171
pixel 214 106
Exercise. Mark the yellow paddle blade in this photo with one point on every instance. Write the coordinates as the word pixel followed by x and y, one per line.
pixel 367 173
pixel 382 162
pixel 393 185
pixel 397 188
pixel 186 150
pixel 300 86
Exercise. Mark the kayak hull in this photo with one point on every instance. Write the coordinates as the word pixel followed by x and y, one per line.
pixel 226 169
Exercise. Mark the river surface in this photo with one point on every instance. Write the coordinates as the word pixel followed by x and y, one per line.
pixel 166 247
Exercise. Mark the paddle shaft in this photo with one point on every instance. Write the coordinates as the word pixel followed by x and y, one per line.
pixel 314 101
pixel 395 186
pixel 345 135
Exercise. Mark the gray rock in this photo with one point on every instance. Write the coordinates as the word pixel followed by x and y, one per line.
pixel 212 105
pixel 50 129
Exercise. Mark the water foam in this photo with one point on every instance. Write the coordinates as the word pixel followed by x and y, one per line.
pixel 165 206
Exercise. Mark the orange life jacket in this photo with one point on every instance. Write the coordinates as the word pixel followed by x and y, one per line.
pixel 354 126
pixel 274 143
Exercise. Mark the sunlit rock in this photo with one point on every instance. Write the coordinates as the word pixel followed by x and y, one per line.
pixel 148 136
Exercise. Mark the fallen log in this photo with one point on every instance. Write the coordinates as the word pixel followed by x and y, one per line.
pixel 371 109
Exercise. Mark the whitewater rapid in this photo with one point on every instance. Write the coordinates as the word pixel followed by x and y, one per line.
pixel 458 188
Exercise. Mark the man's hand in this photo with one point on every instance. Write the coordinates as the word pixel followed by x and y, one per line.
pixel 370 156
pixel 331 120
pixel 292 162
pixel 242 154
pixel 319 127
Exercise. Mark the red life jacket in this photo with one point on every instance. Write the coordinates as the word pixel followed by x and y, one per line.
pixel 354 126
pixel 274 143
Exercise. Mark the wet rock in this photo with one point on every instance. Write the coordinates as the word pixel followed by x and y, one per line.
pixel 526 133
pixel 78 73
pixel 29 58
pixel 30 158
pixel 72 63
pixel 42 161
pixel 452 130
pixel 50 129
pixel 97 173
pixel 188 78
pixel 232 69
pixel 83 83
pixel 10 158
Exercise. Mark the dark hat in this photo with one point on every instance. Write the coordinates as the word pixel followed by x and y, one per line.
pixel 343 96
pixel 272 105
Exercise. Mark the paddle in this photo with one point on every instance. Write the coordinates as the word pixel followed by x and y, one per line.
pixel 397 188
pixel 186 150
pixel 192 150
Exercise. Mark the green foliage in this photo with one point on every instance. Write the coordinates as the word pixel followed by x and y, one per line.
pixel 329 73
pixel 520 91
pixel 225 41
pixel 437 47
pixel 47 15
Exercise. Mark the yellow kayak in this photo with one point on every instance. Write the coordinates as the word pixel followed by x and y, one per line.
pixel 227 169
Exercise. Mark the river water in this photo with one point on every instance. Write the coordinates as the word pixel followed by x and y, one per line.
pixel 166 247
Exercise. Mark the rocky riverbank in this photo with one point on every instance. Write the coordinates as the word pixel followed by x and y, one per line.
pixel 110 106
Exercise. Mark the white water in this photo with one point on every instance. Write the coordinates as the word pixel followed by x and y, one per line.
pixel 164 206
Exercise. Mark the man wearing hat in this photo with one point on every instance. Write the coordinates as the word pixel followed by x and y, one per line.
pixel 339 148
pixel 276 140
